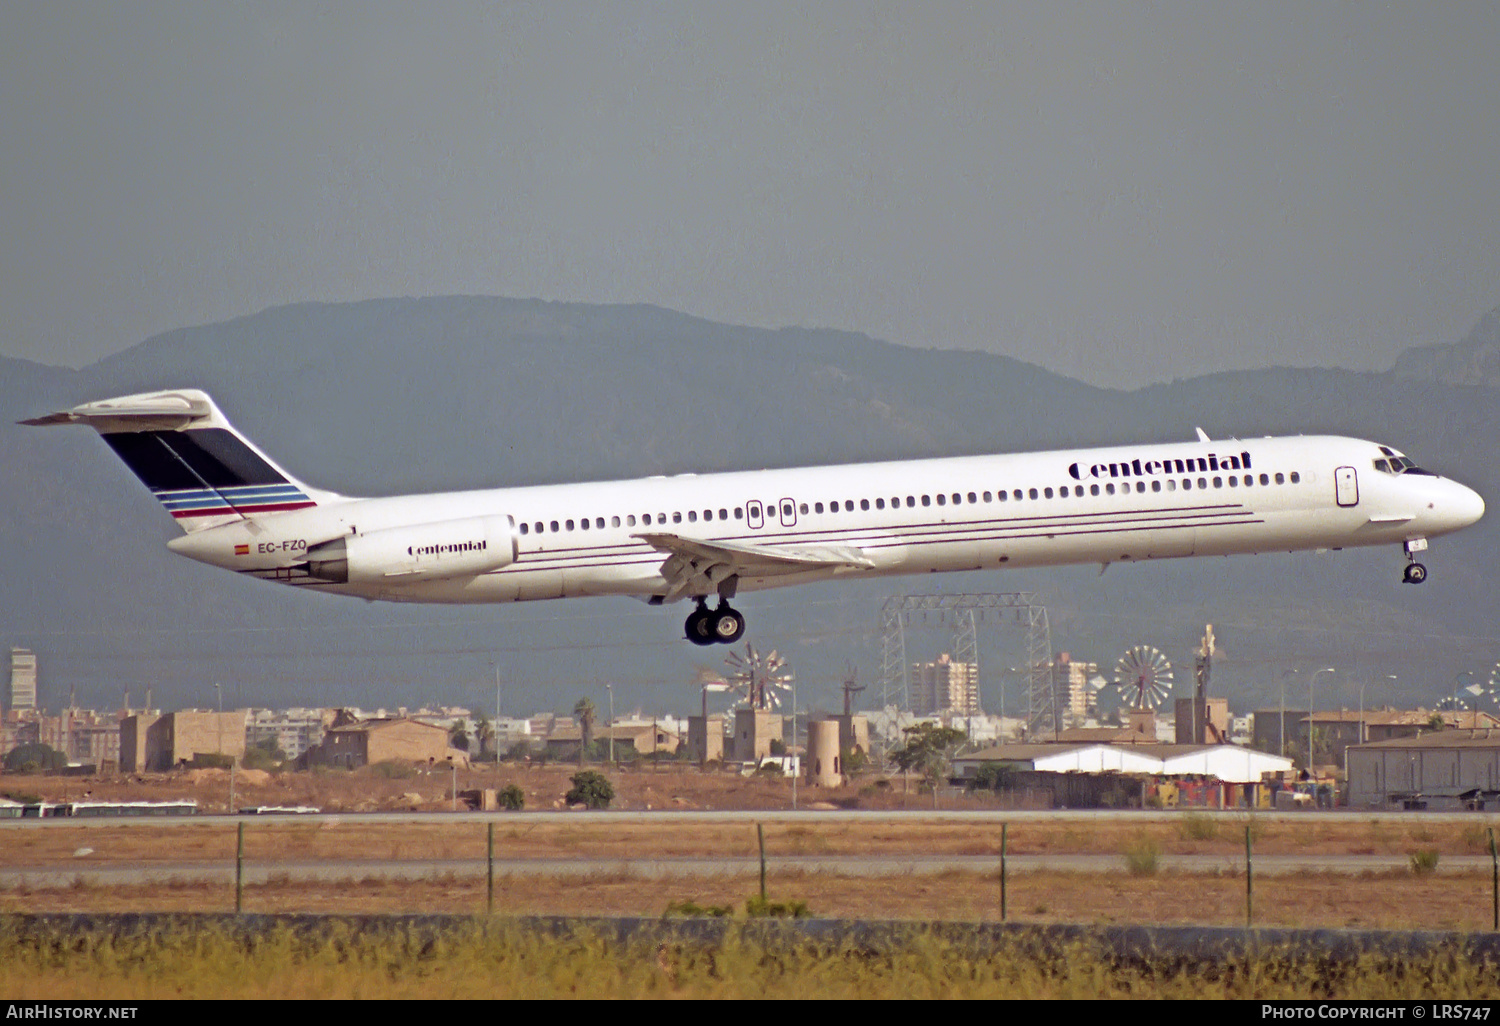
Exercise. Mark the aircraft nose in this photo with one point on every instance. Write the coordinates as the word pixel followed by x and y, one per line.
pixel 1469 506
pixel 1456 506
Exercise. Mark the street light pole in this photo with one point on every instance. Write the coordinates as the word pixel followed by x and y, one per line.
pixel 611 689
pixel 1310 681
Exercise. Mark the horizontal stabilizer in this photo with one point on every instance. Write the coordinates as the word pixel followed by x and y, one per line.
pixel 155 410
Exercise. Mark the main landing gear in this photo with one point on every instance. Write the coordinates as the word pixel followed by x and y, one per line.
pixel 1415 573
pixel 721 626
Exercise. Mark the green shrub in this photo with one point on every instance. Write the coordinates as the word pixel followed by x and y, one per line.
pixel 34 758
pixel 591 789
pixel 391 769
pixel 1142 855
pixel 1424 861
pixel 692 910
pixel 763 907
pixel 1197 826
pixel 512 797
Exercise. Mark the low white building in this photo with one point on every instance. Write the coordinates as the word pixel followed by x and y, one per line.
pixel 1229 763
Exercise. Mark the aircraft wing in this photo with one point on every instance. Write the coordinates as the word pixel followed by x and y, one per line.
pixel 694 561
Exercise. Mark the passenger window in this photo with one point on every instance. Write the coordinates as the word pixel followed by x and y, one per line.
pixel 864 504
pixel 599 523
pixel 1218 482
pixel 1296 478
pixel 848 505
pixel 1032 493
pixel 1017 495
pixel 570 525
pixel 1156 486
pixel 942 499
pixel 987 496
pixel 1203 482
pixel 554 527
pixel 1140 486
pixel 911 500
pixel 540 527
pixel 1171 485
pixel 1093 489
pixel 1048 493
pixel 1280 479
pixel 692 516
pixel 676 518
pixel 1187 484
pixel 723 514
pixel 974 498
pixel 1110 489
pixel 630 520
pixel 1233 481
pixel 583 525
pixel 817 507
pixel 1265 479
pixel 880 504
pixel 927 500
pixel 1002 496
pixel 958 499
pixel 738 512
pixel 804 509
pixel 614 521
pixel 523 527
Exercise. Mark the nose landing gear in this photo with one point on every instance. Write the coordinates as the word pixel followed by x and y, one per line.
pixel 1415 572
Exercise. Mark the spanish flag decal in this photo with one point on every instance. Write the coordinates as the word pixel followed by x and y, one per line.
pixel 242 550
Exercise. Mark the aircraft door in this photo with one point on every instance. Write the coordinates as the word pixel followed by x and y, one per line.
pixel 1346 486
pixel 753 515
pixel 788 513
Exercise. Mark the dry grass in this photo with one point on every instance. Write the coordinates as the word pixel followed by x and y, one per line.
pixel 1396 900
pixel 495 960
pixel 213 840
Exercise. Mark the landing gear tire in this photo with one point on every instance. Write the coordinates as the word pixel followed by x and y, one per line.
pixel 726 625
pixel 1416 573
pixel 699 627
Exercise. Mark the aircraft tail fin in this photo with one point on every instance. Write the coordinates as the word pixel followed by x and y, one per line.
pixel 203 471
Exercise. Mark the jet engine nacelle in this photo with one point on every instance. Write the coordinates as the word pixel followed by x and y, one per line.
pixel 436 551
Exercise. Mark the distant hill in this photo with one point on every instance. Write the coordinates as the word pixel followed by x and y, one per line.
pixel 399 395
pixel 1474 360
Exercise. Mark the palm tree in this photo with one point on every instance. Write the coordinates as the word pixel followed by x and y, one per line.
pixel 458 735
pixel 586 713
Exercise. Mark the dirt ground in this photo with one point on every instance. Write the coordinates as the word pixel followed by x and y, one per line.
pixel 1402 899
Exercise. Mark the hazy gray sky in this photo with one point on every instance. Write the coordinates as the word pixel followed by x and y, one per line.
pixel 1121 192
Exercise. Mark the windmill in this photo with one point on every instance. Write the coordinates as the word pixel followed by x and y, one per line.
pixel 852 687
pixel 762 682
pixel 1143 678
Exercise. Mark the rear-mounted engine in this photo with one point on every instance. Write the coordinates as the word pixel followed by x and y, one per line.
pixel 448 548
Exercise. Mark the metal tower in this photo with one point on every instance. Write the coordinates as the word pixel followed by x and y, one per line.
pixel 963 614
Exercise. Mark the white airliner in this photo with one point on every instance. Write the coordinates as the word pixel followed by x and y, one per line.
pixel 713 535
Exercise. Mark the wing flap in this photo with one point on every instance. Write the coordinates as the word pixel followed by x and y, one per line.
pixel 695 565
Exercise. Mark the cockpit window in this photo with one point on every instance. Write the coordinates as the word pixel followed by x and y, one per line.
pixel 1398 464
